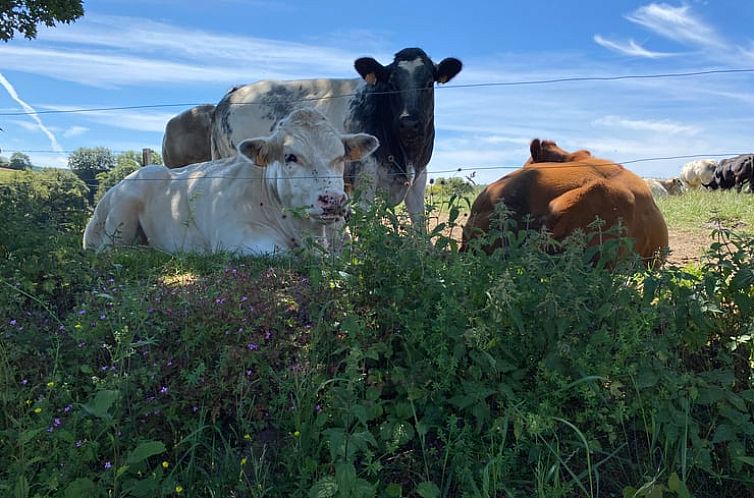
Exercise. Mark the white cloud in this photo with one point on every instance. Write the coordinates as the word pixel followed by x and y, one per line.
pixel 664 126
pixel 629 48
pixel 109 51
pixel 75 131
pixel 676 23
pixel 145 120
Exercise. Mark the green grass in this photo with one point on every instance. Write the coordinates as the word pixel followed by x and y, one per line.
pixel 696 210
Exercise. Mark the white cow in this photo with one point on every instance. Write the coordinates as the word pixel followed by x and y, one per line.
pixel 662 187
pixel 274 194
pixel 698 173
pixel 395 103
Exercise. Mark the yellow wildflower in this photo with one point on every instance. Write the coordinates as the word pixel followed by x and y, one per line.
pixel 179 489
pixel 37 410
pixel 165 464
pixel 247 437
pixel 243 461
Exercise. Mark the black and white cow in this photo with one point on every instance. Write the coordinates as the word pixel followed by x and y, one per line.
pixel 734 172
pixel 395 103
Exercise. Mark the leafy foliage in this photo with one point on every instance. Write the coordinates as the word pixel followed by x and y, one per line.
pixel 88 162
pixel 23 16
pixel 19 161
pixel 403 368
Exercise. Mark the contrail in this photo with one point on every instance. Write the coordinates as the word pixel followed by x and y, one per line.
pixel 33 114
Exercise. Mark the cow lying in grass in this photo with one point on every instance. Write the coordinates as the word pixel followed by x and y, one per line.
pixel 274 194
pixel 566 196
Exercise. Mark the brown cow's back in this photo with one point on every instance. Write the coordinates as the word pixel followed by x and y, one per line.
pixel 570 195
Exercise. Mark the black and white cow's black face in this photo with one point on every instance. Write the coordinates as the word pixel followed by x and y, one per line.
pixel 408 84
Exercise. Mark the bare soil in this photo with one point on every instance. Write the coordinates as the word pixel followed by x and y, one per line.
pixel 685 246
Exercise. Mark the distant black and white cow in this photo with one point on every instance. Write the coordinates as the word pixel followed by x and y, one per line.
pixel 278 191
pixel 734 172
pixel 187 137
pixel 395 103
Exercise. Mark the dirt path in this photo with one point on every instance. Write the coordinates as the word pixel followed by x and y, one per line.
pixel 686 246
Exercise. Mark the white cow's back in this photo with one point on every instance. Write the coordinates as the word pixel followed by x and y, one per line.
pixel 254 109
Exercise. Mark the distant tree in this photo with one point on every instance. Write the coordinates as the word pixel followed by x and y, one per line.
pixel 88 162
pixel 137 157
pixel 126 163
pixel 22 16
pixel 451 186
pixel 19 161
pixel 4 162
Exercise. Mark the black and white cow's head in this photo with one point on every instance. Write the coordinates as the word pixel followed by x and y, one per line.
pixel 400 109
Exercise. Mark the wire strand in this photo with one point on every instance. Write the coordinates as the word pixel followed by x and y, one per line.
pixel 454 170
pixel 569 79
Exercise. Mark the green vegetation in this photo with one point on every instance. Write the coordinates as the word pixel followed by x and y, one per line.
pixel 401 369
pixel 23 16
pixel 697 210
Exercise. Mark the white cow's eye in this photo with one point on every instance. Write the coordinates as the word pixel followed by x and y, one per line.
pixel 291 158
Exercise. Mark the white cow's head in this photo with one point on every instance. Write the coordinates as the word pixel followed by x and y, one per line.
pixel 305 158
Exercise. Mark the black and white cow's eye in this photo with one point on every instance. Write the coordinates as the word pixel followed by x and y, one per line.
pixel 291 158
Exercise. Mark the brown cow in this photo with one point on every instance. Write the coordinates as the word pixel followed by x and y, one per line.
pixel 547 151
pixel 566 196
pixel 187 137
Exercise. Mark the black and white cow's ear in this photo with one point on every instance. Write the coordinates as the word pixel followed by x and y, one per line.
pixel 371 70
pixel 257 150
pixel 447 69
pixel 359 145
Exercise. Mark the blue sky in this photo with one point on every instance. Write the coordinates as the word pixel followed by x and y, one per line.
pixel 139 52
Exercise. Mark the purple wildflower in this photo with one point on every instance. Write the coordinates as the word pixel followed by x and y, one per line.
pixel 79 443
pixel 317 408
pixel 102 316
pixel 244 299
pixel 108 464
pixel 104 368
pixel 250 372
pixel 268 335
pixel 194 408
pixel 49 429
pixel 82 312
pixel 13 323
pixel 24 382
pixel 164 390
pixel 252 346
pixel 56 422
pixel 67 408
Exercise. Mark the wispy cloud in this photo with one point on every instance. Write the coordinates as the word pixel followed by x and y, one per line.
pixel 75 131
pixel 629 48
pixel 679 24
pixel 665 126
pixel 26 107
pixel 137 119
pixel 108 51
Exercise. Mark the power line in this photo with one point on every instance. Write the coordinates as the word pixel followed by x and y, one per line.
pixel 570 79
pixel 454 170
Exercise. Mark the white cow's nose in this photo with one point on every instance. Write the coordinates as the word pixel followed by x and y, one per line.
pixel 332 200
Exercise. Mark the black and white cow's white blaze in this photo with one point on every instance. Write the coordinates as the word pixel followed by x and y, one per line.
pixel 395 103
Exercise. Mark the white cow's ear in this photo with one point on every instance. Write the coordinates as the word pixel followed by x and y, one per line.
pixel 371 70
pixel 359 145
pixel 447 69
pixel 256 149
